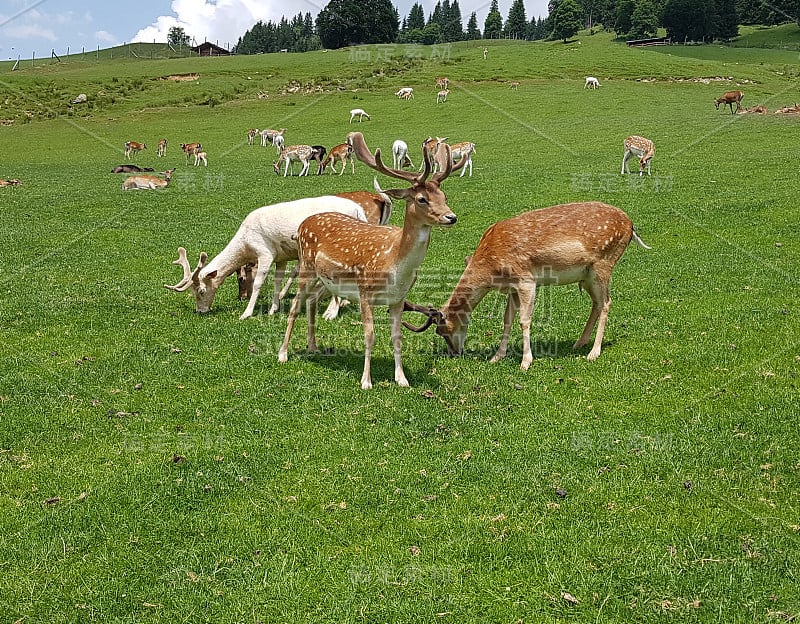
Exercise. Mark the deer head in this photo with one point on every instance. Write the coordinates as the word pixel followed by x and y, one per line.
pixel 203 287
pixel 424 199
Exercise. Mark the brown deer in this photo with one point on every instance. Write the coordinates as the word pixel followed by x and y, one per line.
pixel 565 244
pixel 376 265
pixel 641 147
pixel 730 98
pixel 132 148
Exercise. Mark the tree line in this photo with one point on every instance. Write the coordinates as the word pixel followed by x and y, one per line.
pixel 354 22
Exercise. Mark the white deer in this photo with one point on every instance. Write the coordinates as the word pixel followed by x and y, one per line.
pixel 358 112
pixel 591 83
pixel 565 244
pixel 267 235
pixel 400 158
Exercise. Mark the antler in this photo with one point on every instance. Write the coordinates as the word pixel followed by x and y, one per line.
pixel 360 149
pixel 183 262
pixel 434 316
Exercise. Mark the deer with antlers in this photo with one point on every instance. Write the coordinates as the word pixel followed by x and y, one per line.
pixel 565 244
pixel 376 265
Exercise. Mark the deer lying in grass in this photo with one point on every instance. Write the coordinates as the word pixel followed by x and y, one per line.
pixel 267 235
pixel 130 169
pixel 730 98
pixel 148 182
pixel 377 265
pixel 565 244
pixel 11 182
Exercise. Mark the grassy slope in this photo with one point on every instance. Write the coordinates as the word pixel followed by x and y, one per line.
pixel 301 497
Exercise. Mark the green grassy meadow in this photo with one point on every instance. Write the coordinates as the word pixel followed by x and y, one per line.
pixel 161 466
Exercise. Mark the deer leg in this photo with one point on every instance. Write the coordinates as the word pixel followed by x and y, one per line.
pixel 332 311
pixel 508 318
pixel 311 315
pixel 280 269
pixel 395 313
pixel 305 284
pixel 369 340
pixel 292 275
pixel 601 302
pixel 527 296
pixel 264 264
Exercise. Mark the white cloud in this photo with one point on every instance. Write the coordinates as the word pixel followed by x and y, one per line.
pixel 105 37
pixel 222 21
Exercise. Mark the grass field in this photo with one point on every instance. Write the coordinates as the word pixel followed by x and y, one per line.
pixel 157 465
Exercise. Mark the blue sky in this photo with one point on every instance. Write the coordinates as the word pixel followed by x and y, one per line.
pixel 29 27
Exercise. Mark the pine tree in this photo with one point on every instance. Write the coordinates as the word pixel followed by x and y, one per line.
pixel 567 20
pixel 473 32
pixel 517 23
pixel 728 21
pixel 493 26
pixel 455 28
pixel 416 17
pixel 644 20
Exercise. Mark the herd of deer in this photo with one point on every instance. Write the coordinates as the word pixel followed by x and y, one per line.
pixel 345 247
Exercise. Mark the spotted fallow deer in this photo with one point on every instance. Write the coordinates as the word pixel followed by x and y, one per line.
pixel 293 153
pixel 730 98
pixel 565 244
pixel 641 147
pixel 376 265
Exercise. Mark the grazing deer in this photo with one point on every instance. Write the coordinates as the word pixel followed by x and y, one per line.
pixel 294 153
pixel 269 136
pixel 641 147
pixel 405 93
pixel 377 265
pixel 513 85
pixel 190 149
pixel 132 148
pixel 162 148
pixel 251 135
pixel 148 182
pixel 343 152
pixel 457 151
pixel 318 153
pixel 565 244
pixel 591 83
pixel 360 112
pixel 730 98
pixel 443 82
pixel 400 159
pixel 266 236
pixel 442 96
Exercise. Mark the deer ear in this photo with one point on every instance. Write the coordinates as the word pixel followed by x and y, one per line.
pixel 404 193
pixel 211 275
